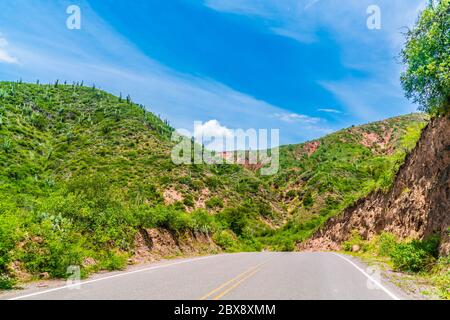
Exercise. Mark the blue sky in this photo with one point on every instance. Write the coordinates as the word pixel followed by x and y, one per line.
pixel 306 67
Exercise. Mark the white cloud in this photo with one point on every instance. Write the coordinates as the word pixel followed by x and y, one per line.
pixel 5 56
pixel 302 19
pixel 329 110
pixel 244 7
pixel 213 135
pixel 298 36
pixel 295 117
pixel 310 4
pixel 368 103
pixel 49 52
pixel 301 121
pixel 370 54
pixel 212 128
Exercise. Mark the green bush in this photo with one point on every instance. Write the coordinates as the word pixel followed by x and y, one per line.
pixel 415 256
pixel 203 222
pixel 214 202
pixel 52 250
pixel 355 239
pixel 237 219
pixel 441 276
pixel 9 235
pixel 308 200
pixel 168 218
pixel 226 240
pixel 114 261
pixel 38 121
pixel 6 144
pixel 188 201
pixel 6 282
pixel 387 244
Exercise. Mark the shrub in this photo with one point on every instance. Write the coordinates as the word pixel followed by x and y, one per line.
pixel 167 218
pixel 197 184
pixel 114 261
pixel 212 182
pixel 51 250
pixel 264 209
pixel 203 222
pixel 214 202
pixel 441 277
pixel 236 219
pixel 188 201
pixel 6 282
pixel 226 240
pixel 355 239
pixel 387 244
pixel 38 121
pixel 308 200
pixel 291 194
pixel 9 234
pixel 6 144
pixel 415 256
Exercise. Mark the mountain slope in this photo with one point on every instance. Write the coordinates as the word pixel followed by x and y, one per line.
pixel 87 179
pixel 83 171
pixel 417 205
pixel 320 179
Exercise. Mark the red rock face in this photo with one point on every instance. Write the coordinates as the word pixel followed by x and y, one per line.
pixel 382 142
pixel 311 147
pixel 417 206
pixel 156 244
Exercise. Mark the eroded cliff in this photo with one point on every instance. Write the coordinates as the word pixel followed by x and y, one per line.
pixel 417 205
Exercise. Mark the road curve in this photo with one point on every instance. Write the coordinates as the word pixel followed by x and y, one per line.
pixel 241 276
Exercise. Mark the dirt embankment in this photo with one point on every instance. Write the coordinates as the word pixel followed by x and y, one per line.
pixel 157 244
pixel 418 204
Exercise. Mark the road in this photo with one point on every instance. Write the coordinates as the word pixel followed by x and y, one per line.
pixel 241 276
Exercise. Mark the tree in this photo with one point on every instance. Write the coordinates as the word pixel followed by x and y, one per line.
pixel 426 56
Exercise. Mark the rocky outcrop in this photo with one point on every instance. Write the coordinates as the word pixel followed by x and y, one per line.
pixel 417 205
pixel 156 244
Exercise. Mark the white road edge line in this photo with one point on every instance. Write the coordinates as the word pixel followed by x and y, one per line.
pixel 393 296
pixel 109 277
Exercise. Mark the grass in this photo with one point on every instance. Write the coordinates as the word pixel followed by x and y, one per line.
pixel 418 259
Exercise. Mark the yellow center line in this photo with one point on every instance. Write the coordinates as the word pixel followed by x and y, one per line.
pixel 236 285
pixel 231 281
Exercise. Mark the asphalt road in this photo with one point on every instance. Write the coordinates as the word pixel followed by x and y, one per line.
pixel 242 276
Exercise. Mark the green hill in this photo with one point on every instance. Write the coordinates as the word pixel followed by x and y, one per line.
pixel 82 171
pixel 319 179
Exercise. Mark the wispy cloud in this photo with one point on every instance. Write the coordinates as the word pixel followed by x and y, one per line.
pixel 44 49
pixel 5 56
pixel 310 4
pixel 329 111
pixel 307 123
pixel 295 117
pixel 371 90
pixel 244 7
pixel 49 51
pixel 302 19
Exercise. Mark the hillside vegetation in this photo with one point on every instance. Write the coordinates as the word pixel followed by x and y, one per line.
pixel 319 179
pixel 83 171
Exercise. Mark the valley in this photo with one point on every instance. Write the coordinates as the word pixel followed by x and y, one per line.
pixel 87 180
